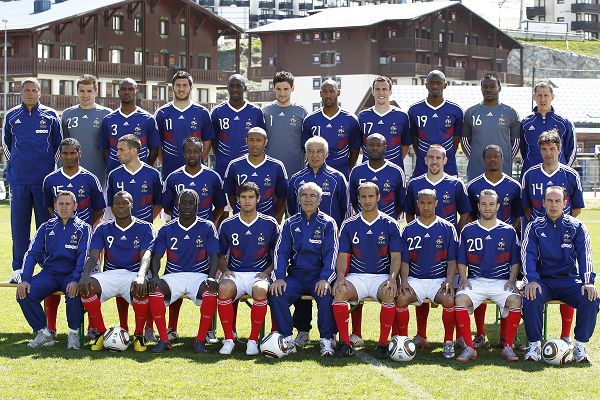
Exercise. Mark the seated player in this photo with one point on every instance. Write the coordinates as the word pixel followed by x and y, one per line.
pixel 372 240
pixel 488 264
pixel 191 245
pixel 246 242
pixel 59 247
pixel 304 263
pixel 428 266
pixel 552 244
pixel 127 243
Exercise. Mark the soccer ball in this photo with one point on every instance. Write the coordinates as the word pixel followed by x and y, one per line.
pixel 556 352
pixel 402 348
pixel 116 339
pixel 273 345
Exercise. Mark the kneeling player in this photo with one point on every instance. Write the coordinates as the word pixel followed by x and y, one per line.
pixel 127 242
pixel 246 242
pixel 489 253
pixel 428 266
pixel 192 257
pixel 372 240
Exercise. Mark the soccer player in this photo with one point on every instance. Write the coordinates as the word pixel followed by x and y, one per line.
pixel 337 126
pixel 127 243
pixel 543 119
pixel 435 120
pixel 31 136
pixel 490 122
pixel 386 120
pixel 488 264
pixel 304 263
pixel 372 241
pixel 428 266
pixel 83 122
pixel 231 121
pixel 246 242
pixel 129 119
pixel 59 247
pixel 268 174
pixel 552 244
pixel 180 119
pixel 510 211
pixel 283 120
pixel 192 248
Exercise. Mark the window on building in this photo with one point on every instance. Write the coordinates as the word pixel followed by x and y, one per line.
pixel 203 95
pixel 159 92
pixel 112 89
pixel 316 84
pixel 114 56
pixel 475 40
pixel 137 57
pixel 182 60
pixel 560 19
pixel 392 33
pixel 89 55
pixel 65 88
pixel 137 25
pixel 44 50
pixel 560 1
pixel 325 37
pixel 337 35
pixel 327 58
pixel 204 62
pixel 67 52
pixel 306 37
pixel 182 29
pixel 450 37
pixel 117 23
pixel 316 106
pixel 46 85
pixel 298 37
pixel 164 27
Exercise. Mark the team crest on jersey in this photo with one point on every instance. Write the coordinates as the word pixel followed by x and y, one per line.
pixel 325 186
pixel 567 237
pixel 317 234
pixel 199 242
pixel 506 200
pixel 248 125
pixel 267 182
pixel 74 238
pixel 501 120
pixel 205 191
pixel 387 186
pixel 42 123
pixel 96 123
pixel 261 239
pixel 501 245
pixel 448 122
pixel 381 238
pixel 144 187
pixel 439 242
pixel 293 120
pixel 393 129
pixel 193 124
pixel 136 243
pixel 137 130
pixel 446 198
pixel 341 131
pixel 81 192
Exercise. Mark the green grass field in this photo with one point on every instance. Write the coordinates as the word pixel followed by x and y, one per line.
pixel 586 48
pixel 55 373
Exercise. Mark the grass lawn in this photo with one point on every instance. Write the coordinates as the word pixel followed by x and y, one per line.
pixel 588 48
pixel 57 373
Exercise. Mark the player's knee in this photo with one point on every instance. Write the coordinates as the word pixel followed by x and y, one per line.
pixel 226 288
pixel 445 300
pixel 462 301
pixel 259 290
pixel 385 297
pixel 513 302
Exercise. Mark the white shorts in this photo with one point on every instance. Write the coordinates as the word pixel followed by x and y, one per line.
pixel 243 283
pixel 483 289
pixel 367 285
pixel 116 282
pixel 184 284
pixel 425 288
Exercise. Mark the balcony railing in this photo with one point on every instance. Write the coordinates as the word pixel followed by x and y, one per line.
pixel 505 77
pixel 586 26
pixel 261 96
pixel 226 3
pixel 262 72
pixel 206 3
pixel 242 3
pixel 455 73
pixel 404 69
pixel 266 4
pixel 408 44
pixel 286 5
pixel 271 16
pixel 405 44
pixel 585 8
pixel 305 6
pixel 533 12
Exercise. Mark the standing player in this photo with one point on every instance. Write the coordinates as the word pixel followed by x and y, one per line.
pixel 246 242
pixel 129 119
pixel 180 119
pixel 372 241
pixel 435 120
pixel 61 254
pixel 488 264
pixel 509 211
pixel 490 122
pixel 31 138
pixel 268 174
pixel 304 263
pixel 283 120
pixel 83 122
pixel 544 119
pixel 192 249
pixel 428 266
pixel 386 120
pixel 231 122
pixel 337 126
pixel 127 243
pixel 552 244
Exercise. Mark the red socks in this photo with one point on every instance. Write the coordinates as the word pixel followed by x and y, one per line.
pixel 357 320
pixel 512 324
pixel 158 310
pixel 91 304
pixel 257 317
pixel 123 309
pixel 386 320
pixel 225 315
pixel 503 327
pixel 174 313
pixel 141 310
pixel 463 321
pixel 402 317
pixel 422 313
pixel 207 312
pixel 566 313
pixel 341 315
pixel 479 315
pixel 449 320
pixel 51 306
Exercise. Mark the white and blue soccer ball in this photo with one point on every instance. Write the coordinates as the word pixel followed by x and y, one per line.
pixel 556 352
pixel 116 339
pixel 402 348
pixel 273 345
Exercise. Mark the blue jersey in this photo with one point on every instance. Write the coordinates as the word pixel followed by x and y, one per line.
pixel 249 247
pixel 532 127
pixel 269 176
pixel 557 250
pixel 123 246
pixel 435 125
pixel 187 248
pixel 341 132
pixel 488 253
pixel 394 127
pixel 370 243
pixel 535 182
pixel 84 185
pixel 429 248
pixel 231 127
pixel 390 180
pixel 509 196
pixel 174 126
pixel 335 201
pixel 30 143
pixel 307 248
pixel 57 248
pixel 206 183
pixel 144 185
pixel 451 193
pixel 116 125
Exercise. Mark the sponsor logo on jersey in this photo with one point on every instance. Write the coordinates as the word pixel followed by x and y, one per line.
pixel 531 128
pixel 369 232
pixel 18 121
pixel 427 235
pixel 42 131
pixel 126 123
pixel 434 115
pixel 254 174
pixel 490 114
pixel 297 230
pixel 374 179
pixel 132 181
pixel 328 126
pixel 282 114
pixel 51 233
pixel 380 122
pixel 186 237
pixel 488 237
pixel 85 117
pixel 543 234
pixel 123 237
pixel 192 184
pixel 70 185
pixel 236 118
pixel 181 117
pixel 248 233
